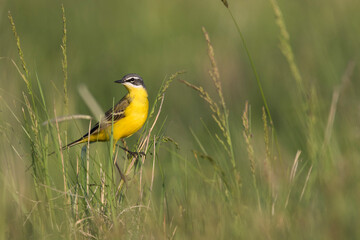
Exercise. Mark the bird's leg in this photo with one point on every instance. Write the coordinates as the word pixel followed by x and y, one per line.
pixel 126 149
pixel 134 154
pixel 120 172
pixel 116 164
pixel 124 143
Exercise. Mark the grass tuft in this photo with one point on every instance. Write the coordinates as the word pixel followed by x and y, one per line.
pixel 220 115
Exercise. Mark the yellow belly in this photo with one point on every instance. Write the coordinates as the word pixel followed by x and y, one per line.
pixel 135 117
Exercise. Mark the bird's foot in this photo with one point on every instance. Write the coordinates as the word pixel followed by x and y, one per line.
pixel 134 154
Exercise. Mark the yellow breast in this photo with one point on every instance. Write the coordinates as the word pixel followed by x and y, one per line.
pixel 135 114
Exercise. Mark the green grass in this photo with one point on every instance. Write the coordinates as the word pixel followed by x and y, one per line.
pixel 257 140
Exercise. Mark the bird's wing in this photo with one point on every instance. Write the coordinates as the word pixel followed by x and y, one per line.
pixel 111 116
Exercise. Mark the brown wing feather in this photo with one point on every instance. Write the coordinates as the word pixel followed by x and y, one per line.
pixel 118 113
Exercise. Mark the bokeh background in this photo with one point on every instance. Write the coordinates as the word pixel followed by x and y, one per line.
pixel 156 39
pixel 108 39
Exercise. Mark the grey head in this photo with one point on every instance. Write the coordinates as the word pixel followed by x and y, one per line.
pixel 131 79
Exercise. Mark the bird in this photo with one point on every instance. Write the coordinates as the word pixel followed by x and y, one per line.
pixel 124 119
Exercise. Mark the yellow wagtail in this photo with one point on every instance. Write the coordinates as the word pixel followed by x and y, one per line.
pixel 125 118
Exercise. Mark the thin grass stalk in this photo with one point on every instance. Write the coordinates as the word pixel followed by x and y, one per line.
pixel 83 183
pixel 102 193
pixel 345 79
pixel 88 161
pixel 163 89
pixel 266 141
pixel 31 108
pixel 67 118
pixel 224 116
pixel 286 49
pixel 219 118
pixel 253 68
pixel 64 64
pixel 309 106
pixel 21 54
pixel 219 114
pixel 110 173
pixel 39 158
pixel 91 102
pixel 61 155
pixel 250 149
pixel 267 163
pixel 76 200
pixel 143 144
pixel 312 126
pixel 153 167
pixel 64 60
pixel 306 182
pixel 39 154
pixel 292 175
pixel 258 81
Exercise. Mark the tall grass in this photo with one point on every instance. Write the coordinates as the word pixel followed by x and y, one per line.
pixel 39 160
pixel 93 197
pixel 228 173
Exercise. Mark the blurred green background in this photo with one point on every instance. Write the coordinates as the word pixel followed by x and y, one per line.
pixel 108 39
pixel 154 39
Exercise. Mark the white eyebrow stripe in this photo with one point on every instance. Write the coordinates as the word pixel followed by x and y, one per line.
pixel 135 78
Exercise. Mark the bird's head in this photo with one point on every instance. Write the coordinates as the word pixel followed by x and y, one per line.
pixel 132 81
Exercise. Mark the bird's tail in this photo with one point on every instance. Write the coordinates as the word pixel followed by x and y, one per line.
pixel 80 140
pixel 76 142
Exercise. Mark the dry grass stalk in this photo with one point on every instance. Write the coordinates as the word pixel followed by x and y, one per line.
pixel 294 166
pixel 76 200
pixel 38 166
pixel 247 136
pixel 67 118
pixel 167 84
pixel 147 139
pixel 34 120
pixel 267 163
pixel 306 182
pixel 219 111
pixel 143 147
pixel 214 73
pixel 218 117
pixel 286 48
pixel 61 153
pixel 102 191
pixel 292 175
pixel 91 102
pixel 88 160
pixel 212 104
pixel 153 167
pixel 64 60
pixel 266 137
pixel 335 98
pixel 21 54
pixel 152 172
pixel 250 149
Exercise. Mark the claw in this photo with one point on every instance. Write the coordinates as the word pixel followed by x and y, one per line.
pixel 134 154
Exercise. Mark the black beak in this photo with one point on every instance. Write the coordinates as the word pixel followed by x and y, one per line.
pixel 120 81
